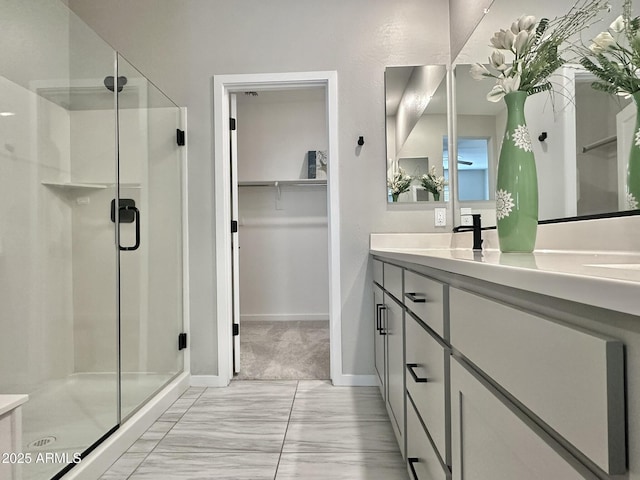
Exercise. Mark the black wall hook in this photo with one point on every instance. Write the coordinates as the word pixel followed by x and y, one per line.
pixel 360 140
pixel 542 137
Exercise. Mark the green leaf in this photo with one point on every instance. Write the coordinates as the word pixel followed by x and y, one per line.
pixel 545 87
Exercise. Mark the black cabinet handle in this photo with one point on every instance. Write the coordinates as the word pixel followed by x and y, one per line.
pixel 416 378
pixel 382 330
pixel 411 461
pixel 414 297
pixel 136 216
pixel 378 315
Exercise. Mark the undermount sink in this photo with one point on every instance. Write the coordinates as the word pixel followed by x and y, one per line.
pixel 620 266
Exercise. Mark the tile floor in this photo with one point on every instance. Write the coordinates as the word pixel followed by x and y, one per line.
pixel 254 430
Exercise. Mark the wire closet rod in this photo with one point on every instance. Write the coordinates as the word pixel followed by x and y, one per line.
pixel 599 143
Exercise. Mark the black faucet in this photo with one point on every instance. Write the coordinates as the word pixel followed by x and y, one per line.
pixel 477 231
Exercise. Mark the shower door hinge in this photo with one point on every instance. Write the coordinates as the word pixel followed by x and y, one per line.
pixel 234 226
pixel 232 124
pixel 180 139
pixel 182 341
pixel 236 329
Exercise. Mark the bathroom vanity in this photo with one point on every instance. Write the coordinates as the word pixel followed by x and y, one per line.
pixel 497 366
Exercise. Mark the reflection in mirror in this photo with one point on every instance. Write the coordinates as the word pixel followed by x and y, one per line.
pixel 580 137
pixel 473 167
pixel 416 124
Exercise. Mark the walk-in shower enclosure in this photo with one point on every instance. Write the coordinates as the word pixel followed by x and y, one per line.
pixel 91 287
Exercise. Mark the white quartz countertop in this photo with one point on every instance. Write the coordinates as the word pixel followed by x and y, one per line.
pixel 603 279
pixel 11 402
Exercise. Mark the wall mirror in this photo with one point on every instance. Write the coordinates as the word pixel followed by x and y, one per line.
pixel 416 131
pixel 581 139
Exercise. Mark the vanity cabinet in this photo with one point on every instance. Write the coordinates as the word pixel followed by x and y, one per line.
pixel 395 366
pixel 412 360
pixel 572 380
pixel 500 383
pixel 389 343
pixel 379 343
pixel 493 442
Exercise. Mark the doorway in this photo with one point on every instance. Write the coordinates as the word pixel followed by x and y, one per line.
pixel 280 274
pixel 224 87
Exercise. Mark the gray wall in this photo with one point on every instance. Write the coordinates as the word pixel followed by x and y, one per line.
pixel 181 45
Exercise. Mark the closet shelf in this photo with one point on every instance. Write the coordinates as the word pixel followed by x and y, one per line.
pixel 276 183
pixel 600 143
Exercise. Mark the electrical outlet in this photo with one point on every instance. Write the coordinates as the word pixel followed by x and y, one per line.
pixel 440 217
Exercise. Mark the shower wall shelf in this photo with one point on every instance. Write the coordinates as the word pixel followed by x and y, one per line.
pixel 76 185
pixel 87 186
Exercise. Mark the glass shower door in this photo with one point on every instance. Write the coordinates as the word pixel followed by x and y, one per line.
pixel 58 321
pixel 150 238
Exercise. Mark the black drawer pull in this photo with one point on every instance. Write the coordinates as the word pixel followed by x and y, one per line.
pixel 416 378
pixel 411 461
pixel 415 298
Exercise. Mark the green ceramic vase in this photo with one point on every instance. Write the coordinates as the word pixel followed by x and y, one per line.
pixel 517 184
pixel 633 169
pixel 436 196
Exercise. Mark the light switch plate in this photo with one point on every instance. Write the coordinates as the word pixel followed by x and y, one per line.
pixel 440 217
pixel 465 217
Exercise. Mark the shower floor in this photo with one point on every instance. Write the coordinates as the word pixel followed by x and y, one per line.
pixel 76 412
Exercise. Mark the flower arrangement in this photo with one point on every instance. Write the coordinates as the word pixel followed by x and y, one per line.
pixel 433 183
pixel 537 50
pixel 398 182
pixel 614 55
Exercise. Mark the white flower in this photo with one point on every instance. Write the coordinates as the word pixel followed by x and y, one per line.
pixel 479 72
pixel 503 39
pixel 604 41
pixel 521 138
pixel 637 138
pixel 521 42
pixel 618 25
pixel 497 60
pixel 504 204
pixel 503 86
pixel 526 23
pixel 632 203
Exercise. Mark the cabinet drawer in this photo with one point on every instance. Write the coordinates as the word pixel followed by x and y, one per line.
pixel 425 298
pixel 377 272
pixel 571 379
pixel 420 453
pixel 393 280
pixel 494 442
pixel 427 359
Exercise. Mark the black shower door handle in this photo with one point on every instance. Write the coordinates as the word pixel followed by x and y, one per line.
pixel 136 218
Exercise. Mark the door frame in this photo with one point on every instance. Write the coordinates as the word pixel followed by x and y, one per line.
pixel 222 86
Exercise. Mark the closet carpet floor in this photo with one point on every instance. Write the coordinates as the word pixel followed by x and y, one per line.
pixel 284 350
pixel 268 430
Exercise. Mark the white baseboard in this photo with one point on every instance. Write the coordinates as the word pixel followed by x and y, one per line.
pixel 208 381
pixel 285 317
pixel 99 461
pixel 346 380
